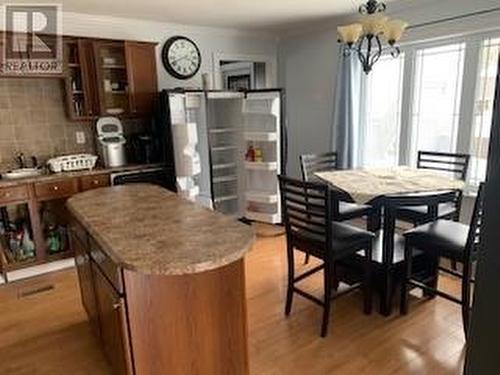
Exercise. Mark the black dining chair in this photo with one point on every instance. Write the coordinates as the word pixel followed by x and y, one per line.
pixel 453 165
pixel 342 210
pixel 388 247
pixel 311 229
pixel 313 163
pixel 451 240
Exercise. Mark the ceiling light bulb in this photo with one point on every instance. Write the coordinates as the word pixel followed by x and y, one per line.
pixel 350 33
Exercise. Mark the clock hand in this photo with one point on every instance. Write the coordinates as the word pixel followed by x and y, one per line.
pixel 180 58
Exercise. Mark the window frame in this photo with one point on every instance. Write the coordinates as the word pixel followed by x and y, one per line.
pixel 470 78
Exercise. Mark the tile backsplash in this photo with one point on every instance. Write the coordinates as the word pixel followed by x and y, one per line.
pixel 33 121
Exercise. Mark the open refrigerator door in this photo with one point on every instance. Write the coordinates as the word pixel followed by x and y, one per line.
pixel 263 144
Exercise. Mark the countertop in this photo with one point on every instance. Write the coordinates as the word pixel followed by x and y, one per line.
pixel 4 182
pixel 148 229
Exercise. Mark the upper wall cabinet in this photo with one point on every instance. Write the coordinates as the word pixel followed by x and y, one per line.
pixel 82 102
pixel 141 72
pixel 126 77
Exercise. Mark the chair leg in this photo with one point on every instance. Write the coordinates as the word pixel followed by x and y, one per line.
pixel 327 275
pixel 433 283
pixel 466 298
pixel 387 293
pixel 291 276
pixel 335 279
pixel 403 308
pixel 367 282
pixel 306 259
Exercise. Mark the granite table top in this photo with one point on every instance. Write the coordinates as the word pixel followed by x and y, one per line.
pixel 148 229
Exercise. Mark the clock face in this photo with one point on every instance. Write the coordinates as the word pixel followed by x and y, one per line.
pixel 181 57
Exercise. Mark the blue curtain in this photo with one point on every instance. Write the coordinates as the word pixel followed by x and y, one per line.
pixel 347 115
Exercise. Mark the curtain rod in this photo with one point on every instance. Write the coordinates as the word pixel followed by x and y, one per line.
pixel 454 18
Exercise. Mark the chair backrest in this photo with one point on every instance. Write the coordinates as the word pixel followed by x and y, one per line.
pixel 311 163
pixel 476 223
pixel 306 214
pixel 394 202
pixel 455 164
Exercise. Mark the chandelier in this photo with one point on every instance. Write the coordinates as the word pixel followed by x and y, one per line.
pixel 366 36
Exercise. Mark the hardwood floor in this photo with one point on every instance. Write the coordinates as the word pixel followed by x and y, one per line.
pixel 47 332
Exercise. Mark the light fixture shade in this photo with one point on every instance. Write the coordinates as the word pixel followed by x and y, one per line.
pixel 374 24
pixel 394 30
pixel 350 33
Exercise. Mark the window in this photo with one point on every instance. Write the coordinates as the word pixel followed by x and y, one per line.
pixel 483 109
pixel 382 115
pixel 437 94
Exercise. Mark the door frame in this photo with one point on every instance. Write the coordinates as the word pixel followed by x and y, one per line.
pixel 269 60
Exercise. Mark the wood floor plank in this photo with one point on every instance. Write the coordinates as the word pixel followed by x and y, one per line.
pixel 47 332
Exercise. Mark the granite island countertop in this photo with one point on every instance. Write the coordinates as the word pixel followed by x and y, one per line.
pixel 148 229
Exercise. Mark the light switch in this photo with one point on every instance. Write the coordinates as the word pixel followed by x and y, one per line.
pixel 80 138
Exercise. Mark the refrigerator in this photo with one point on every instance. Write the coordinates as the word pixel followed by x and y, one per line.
pixel 227 149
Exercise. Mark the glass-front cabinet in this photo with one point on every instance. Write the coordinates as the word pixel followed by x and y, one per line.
pixel 113 85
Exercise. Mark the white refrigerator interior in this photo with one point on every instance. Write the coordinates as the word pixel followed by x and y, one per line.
pixel 228 124
pixel 187 159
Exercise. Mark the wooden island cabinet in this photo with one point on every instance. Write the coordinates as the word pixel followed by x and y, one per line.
pixel 162 281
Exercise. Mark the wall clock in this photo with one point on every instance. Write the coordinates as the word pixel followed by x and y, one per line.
pixel 181 57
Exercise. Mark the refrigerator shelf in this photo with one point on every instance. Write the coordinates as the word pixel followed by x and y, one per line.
pixel 262 197
pixel 225 95
pixel 261 165
pixel 273 218
pixel 223 166
pixel 217 180
pixel 224 148
pixel 225 198
pixel 261 136
pixel 222 130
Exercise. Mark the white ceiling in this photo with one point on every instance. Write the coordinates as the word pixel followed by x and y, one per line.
pixel 239 14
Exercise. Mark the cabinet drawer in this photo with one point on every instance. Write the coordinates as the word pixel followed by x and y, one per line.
pixel 14 193
pixel 93 182
pixel 106 265
pixel 56 189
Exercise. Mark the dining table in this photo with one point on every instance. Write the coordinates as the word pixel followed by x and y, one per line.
pixel 371 186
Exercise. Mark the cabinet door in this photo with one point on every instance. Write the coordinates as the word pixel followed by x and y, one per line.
pixel 85 278
pixel 89 78
pixel 114 334
pixel 141 71
pixel 112 81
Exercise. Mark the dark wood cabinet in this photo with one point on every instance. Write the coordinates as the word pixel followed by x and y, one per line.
pixel 93 182
pixel 85 278
pixel 112 325
pixel 141 71
pixel 81 96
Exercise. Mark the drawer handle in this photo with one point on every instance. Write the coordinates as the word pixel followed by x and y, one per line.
pixel 95 182
pixel 56 187
pixel 6 194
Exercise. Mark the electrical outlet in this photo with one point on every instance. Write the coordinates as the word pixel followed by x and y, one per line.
pixel 80 138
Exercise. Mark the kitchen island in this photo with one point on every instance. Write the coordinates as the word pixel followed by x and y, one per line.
pixel 162 281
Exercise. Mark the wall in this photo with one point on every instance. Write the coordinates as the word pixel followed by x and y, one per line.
pixel 308 58
pixel 210 41
pixel 33 121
